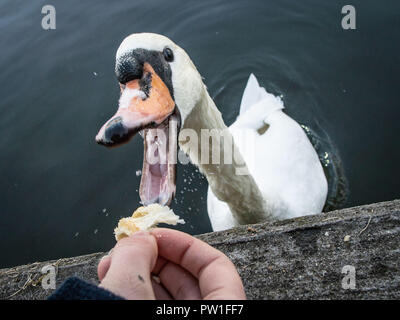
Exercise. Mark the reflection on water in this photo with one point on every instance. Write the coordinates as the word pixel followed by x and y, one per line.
pixel 62 194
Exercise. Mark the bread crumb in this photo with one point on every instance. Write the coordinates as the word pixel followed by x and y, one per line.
pixel 145 218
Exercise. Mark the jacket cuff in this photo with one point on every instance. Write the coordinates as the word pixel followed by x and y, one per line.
pixel 77 289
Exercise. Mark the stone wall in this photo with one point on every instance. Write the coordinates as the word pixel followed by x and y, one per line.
pixel 300 258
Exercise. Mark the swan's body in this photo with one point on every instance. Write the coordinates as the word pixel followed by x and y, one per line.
pixel 286 167
pixel 276 174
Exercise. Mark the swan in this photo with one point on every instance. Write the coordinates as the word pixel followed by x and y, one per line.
pixel 274 172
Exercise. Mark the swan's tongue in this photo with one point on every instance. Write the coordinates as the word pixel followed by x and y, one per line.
pixel 158 183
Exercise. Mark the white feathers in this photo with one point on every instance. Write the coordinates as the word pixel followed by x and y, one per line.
pixel 251 94
pixel 127 96
pixel 256 106
pixel 284 164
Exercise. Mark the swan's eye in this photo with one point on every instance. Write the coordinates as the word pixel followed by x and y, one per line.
pixel 168 54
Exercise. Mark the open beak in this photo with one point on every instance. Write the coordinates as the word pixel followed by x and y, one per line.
pixel 146 106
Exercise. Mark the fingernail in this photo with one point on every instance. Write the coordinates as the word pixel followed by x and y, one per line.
pixel 107 255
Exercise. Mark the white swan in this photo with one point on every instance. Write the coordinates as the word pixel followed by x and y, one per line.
pixel 286 167
pixel 161 87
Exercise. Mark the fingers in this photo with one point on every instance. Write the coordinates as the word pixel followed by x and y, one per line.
pixel 216 274
pixel 181 284
pixel 103 267
pixel 187 267
pixel 160 292
pixel 127 272
pixel 219 280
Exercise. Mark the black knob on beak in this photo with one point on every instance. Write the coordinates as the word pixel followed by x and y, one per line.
pixel 128 69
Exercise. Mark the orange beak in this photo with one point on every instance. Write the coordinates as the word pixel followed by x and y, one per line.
pixel 146 105
pixel 144 102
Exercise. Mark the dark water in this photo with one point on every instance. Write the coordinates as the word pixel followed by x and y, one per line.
pixel 58 87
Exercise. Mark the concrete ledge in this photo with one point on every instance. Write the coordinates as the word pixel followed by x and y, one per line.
pixel 293 259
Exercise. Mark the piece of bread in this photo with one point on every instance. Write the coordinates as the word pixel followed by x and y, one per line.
pixel 145 218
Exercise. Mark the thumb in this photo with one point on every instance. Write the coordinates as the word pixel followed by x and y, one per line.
pixel 132 260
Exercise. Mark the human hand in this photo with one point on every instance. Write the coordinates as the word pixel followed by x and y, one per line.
pixel 187 268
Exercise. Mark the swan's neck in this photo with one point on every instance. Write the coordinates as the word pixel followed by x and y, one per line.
pixel 239 191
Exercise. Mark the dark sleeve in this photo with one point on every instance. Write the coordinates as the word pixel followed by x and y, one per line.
pixel 76 289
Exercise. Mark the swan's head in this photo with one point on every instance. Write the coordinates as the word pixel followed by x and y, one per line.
pixel 159 88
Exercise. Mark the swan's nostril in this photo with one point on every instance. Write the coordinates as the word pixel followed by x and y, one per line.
pixel 113 121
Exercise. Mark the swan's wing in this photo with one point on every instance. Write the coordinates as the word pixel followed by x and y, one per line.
pixel 257 105
pixel 252 94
